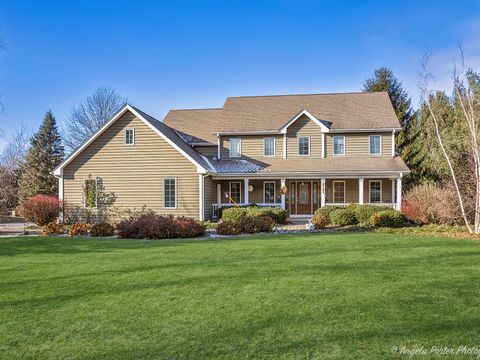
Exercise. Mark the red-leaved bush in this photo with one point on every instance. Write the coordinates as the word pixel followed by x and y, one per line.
pixel 153 226
pixel 41 209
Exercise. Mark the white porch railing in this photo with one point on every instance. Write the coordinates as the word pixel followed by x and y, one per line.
pixel 219 206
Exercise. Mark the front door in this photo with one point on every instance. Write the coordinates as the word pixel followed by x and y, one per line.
pixel 304 198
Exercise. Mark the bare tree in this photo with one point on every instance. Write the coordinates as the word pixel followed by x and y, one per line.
pixel 467 93
pixel 11 161
pixel 88 116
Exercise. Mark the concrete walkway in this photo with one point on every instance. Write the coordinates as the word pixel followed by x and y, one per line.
pixel 15 228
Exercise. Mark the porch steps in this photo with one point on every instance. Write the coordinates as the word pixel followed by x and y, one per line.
pixel 298 220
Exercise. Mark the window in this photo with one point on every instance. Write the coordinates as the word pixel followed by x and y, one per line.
pixel 375 191
pixel 269 192
pixel 170 193
pixel 236 191
pixel 339 145
pixel 90 193
pixel 129 136
pixel 339 192
pixel 375 144
pixel 304 145
pixel 235 147
pixel 269 146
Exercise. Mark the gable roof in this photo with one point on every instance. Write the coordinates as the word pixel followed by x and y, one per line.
pixel 164 131
pixel 251 114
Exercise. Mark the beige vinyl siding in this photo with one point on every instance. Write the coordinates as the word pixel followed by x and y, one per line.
pixel 359 144
pixel 135 173
pixel 208 151
pixel 304 126
pixel 252 146
pixel 209 196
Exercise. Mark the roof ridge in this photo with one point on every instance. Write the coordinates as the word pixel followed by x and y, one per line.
pixel 308 94
pixel 196 109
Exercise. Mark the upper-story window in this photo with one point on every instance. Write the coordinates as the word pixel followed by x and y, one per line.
pixel 235 147
pixel 129 136
pixel 304 145
pixel 269 146
pixel 375 144
pixel 339 145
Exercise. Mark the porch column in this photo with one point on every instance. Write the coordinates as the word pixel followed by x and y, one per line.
pixel 245 190
pixel 360 190
pixel 399 194
pixel 282 185
pixel 219 193
pixel 393 191
pixel 322 192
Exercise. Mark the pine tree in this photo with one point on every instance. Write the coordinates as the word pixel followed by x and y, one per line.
pixel 46 153
pixel 384 80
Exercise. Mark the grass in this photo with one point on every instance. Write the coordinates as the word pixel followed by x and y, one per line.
pixel 330 296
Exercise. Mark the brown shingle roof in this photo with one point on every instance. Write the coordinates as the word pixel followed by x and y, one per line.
pixel 201 124
pixel 270 113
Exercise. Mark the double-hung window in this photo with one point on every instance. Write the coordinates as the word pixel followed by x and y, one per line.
pixel 236 191
pixel 269 192
pixel 235 147
pixel 269 146
pixel 339 145
pixel 304 145
pixel 339 192
pixel 375 190
pixel 375 144
pixel 170 193
pixel 129 136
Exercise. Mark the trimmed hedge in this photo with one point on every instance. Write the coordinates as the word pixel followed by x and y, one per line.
pixel 234 214
pixel 388 218
pixel 102 229
pixel 320 221
pixel 343 217
pixel 365 212
pixel 228 228
pixel 326 211
pixel 152 226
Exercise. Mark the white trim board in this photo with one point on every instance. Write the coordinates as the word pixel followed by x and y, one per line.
pixel 58 170
pixel 284 128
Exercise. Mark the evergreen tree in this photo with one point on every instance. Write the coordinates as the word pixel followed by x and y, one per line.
pixel 45 154
pixel 384 80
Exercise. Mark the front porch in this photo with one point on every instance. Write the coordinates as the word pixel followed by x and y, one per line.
pixel 301 197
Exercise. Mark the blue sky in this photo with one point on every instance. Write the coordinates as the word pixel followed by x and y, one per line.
pixel 164 55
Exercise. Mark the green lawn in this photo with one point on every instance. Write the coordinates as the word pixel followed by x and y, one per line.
pixel 337 296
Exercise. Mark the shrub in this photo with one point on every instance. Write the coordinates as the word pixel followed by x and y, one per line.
pixel 234 214
pixel 153 226
pixel 102 229
pixel 53 228
pixel 251 225
pixel 388 218
pixel 365 212
pixel 41 209
pixel 79 229
pixel 427 204
pixel 319 221
pixel 343 217
pixel 228 228
pixel 326 211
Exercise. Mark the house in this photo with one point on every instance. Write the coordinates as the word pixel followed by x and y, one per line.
pixel 299 152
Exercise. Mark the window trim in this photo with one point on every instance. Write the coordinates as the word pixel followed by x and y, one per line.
pixel 370 144
pixel 96 194
pixel 125 137
pixel 274 146
pixel 344 191
pixel 230 190
pixel 176 192
pixel 344 145
pixel 230 147
pixel 370 182
pixel 274 191
pixel 298 145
